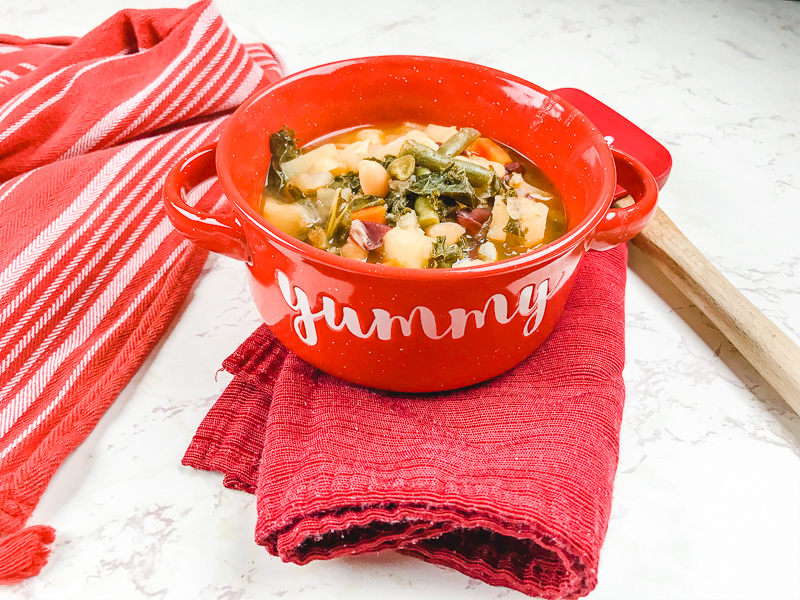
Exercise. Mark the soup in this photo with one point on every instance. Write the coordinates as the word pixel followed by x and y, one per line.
pixel 411 196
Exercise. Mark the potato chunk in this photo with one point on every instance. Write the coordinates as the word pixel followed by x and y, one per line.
pixel 353 154
pixel 292 218
pixel 354 251
pixel 451 231
pixel 421 138
pixel 440 134
pixel 374 136
pixel 525 189
pixel 498 223
pixel 407 247
pixel 532 216
pixel 308 182
pixel 487 252
pixel 304 162
pixel 327 164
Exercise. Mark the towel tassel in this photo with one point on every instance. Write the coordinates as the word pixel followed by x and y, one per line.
pixel 24 553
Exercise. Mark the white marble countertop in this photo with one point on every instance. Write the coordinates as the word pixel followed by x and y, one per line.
pixel 708 487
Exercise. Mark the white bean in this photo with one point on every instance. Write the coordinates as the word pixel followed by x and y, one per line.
pixel 374 178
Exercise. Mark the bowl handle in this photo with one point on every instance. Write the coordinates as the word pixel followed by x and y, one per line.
pixel 219 233
pixel 621 224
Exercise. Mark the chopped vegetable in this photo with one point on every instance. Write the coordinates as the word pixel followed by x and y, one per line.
pixel 338 226
pixel 348 180
pixel 459 142
pixel 425 157
pixel 374 136
pixel 309 182
pixel 515 232
pixel 452 183
pixel 292 218
pixel 316 237
pixel 426 214
pixel 394 195
pixel 397 203
pixel 439 134
pixel 480 176
pixel 360 202
pixel 444 255
pixel 401 168
pixel 499 221
pixel 515 227
pixel 407 246
pixel 531 219
pixel 283 147
pixel 525 189
pixel 487 252
pixel 305 162
pixel 352 250
pixel 422 171
pixel 452 232
pixel 489 150
pixel 374 214
pixel 368 235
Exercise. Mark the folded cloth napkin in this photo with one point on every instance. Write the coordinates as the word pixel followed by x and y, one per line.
pixel 509 481
pixel 91 272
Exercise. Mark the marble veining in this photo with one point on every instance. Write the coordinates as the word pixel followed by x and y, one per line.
pixel 708 486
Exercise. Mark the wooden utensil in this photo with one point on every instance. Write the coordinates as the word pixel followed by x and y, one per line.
pixel 769 350
pixel 761 342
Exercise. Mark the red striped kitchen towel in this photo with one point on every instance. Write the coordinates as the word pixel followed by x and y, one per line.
pixel 509 481
pixel 91 271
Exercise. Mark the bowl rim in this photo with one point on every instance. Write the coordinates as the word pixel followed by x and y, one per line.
pixel 581 233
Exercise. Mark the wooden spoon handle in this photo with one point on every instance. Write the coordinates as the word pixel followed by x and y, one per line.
pixel 767 348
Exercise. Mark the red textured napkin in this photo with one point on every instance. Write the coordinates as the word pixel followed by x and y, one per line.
pixel 509 481
pixel 91 271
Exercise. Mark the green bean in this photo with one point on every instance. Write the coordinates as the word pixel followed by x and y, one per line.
pixel 425 157
pixel 458 142
pixel 365 202
pixel 339 216
pixel 333 213
pixel 402 167
pixel 426 214
pixel 422 171
pixel 478 175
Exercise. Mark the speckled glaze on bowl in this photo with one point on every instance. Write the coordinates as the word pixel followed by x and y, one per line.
pixel 413 330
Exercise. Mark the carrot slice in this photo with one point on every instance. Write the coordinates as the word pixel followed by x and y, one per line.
pixel 486 148
pixel 376 214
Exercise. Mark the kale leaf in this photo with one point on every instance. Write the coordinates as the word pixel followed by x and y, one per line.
pixel 516 232
pixel 502 188
pixel 283 147
pixel 384 162
pixel 443 256
pixel 349 179
pixel 452 182
pixel 366 202
pixel 396 206
pixel 515 227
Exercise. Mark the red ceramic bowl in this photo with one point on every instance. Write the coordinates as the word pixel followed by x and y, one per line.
pixel 412 330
